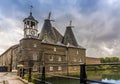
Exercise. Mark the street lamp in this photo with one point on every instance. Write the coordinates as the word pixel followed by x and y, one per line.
pixel 20 70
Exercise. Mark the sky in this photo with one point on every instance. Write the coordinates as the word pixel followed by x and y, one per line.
pixel 96 22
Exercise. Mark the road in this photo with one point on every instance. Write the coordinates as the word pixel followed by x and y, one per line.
pixel 11 78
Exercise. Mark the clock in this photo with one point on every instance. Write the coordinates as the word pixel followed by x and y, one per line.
pixel 32 32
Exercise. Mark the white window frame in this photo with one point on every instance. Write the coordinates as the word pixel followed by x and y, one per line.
pixel 35 68
pixel 34 45
pixel 74 68
pixel 59 68
pixel 35 57
pixel 77 52
pixel 51 58
pixel 80 60
pixel 55 49
pixel 51 68
pixel 75 59
pixel 59 58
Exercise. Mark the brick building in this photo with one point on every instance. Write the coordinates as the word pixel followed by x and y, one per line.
pixel 92 60
pixel 47 48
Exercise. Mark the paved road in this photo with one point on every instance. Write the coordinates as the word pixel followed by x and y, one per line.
pixel 10 77
pixel 3 76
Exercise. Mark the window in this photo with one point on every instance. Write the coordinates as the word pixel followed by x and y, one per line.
pixel 34 56
pixel 51 68
pixel 55 49
pixel 35 45
pixel 80 60
pixel 35 68
pixel 59 68
pixel 75 68
pixel 51 58
pixel 77 52
pixel 75 60
pixel 59 58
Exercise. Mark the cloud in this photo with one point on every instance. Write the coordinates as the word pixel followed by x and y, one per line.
pixel 96 22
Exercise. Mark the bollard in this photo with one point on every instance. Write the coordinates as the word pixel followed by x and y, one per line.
pixel 83 76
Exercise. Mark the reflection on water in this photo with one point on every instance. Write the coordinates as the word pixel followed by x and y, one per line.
pixel 105 76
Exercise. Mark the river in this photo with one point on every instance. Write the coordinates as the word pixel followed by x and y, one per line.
pixel 109 76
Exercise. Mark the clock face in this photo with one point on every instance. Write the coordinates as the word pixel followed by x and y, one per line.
pixel 32 32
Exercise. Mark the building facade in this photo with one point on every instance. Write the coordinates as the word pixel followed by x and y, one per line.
pixel 47 48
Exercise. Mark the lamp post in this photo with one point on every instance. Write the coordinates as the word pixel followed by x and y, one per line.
pixel 20 70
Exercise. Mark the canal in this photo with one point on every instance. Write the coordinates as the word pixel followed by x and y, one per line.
pixel 110 76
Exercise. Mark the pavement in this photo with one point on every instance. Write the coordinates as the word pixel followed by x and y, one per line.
pixel 10 78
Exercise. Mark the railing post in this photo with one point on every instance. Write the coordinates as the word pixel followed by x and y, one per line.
pixel 43 75
pixel 83 76
pixel 29 76
pixel 20 72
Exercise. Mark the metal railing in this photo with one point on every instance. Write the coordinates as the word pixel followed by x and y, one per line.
pixel 83 77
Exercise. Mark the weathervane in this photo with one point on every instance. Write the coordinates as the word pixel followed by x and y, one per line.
pixel 49 16
pixel 70 24
pixel 31 8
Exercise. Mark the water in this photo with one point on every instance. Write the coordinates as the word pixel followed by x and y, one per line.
pixel 109 76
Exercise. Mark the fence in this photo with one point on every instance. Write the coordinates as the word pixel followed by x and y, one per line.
pixel 82 80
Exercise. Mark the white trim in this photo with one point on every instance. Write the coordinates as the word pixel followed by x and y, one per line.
pixel 59 68
pixel 51 68
pixel 59 58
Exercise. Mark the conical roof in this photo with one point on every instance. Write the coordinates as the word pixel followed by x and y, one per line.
pixel 50 34
pixel 47 32
pixel 69 38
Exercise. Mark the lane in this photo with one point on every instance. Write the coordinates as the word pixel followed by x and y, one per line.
pixel 12 78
